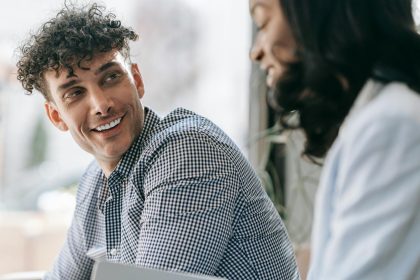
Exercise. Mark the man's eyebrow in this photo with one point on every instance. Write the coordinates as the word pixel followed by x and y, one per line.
pixel 67 85
pixel 105 66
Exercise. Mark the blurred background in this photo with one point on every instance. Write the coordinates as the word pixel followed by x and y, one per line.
pixel 192 54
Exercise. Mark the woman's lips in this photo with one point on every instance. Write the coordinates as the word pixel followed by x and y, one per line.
pixel 271 77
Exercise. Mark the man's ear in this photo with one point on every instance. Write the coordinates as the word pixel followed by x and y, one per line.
pixel 138 80
pixel 54 116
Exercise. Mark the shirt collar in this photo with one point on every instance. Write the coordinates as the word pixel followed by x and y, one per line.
pixel 129 159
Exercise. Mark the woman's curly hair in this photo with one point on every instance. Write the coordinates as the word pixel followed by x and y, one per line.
pixel 342 44
pixel 74 35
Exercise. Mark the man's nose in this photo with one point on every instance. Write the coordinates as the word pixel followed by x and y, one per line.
pixel 101 102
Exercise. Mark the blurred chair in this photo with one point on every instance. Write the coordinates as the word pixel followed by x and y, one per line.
pixel 30 241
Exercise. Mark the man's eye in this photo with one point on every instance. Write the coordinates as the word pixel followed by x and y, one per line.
pixel 111 77
pixel 73 93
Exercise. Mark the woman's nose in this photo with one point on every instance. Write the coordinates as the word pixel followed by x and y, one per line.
pixel 256 53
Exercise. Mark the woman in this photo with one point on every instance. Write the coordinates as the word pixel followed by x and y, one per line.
pixel 351 69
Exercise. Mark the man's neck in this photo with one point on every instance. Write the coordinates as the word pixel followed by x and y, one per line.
pixel 108 166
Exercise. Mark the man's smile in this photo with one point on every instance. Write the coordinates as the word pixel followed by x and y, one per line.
pixel 108 125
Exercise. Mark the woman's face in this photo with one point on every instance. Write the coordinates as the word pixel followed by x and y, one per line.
pixel 274 45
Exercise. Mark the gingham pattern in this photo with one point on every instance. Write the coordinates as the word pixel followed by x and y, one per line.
pixel 183 198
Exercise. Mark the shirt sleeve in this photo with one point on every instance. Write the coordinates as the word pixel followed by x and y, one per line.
pixel 190 193
pixel 375 223
pixel 72 262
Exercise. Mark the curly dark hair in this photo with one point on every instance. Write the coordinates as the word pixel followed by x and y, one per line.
pixel 342 44
pixel 74 35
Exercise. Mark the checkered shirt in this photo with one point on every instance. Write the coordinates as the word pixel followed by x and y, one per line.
pixel 182 198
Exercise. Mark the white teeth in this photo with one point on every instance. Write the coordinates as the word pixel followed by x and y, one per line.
pixel 108 125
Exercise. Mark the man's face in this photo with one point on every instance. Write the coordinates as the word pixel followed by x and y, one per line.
pixel 100 106
pixel 274 45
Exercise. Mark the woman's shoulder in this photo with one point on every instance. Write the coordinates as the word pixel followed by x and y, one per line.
pixel 395 105
pixel 397 100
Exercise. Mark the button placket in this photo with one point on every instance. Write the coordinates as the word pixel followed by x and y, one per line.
pixel 113 218
pixel 113 252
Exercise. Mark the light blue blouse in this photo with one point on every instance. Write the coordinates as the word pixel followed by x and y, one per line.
pixel 367 217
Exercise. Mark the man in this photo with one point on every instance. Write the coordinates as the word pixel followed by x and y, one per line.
pixel 171 193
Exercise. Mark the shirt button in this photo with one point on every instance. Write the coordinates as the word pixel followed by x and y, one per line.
pixel 113 252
